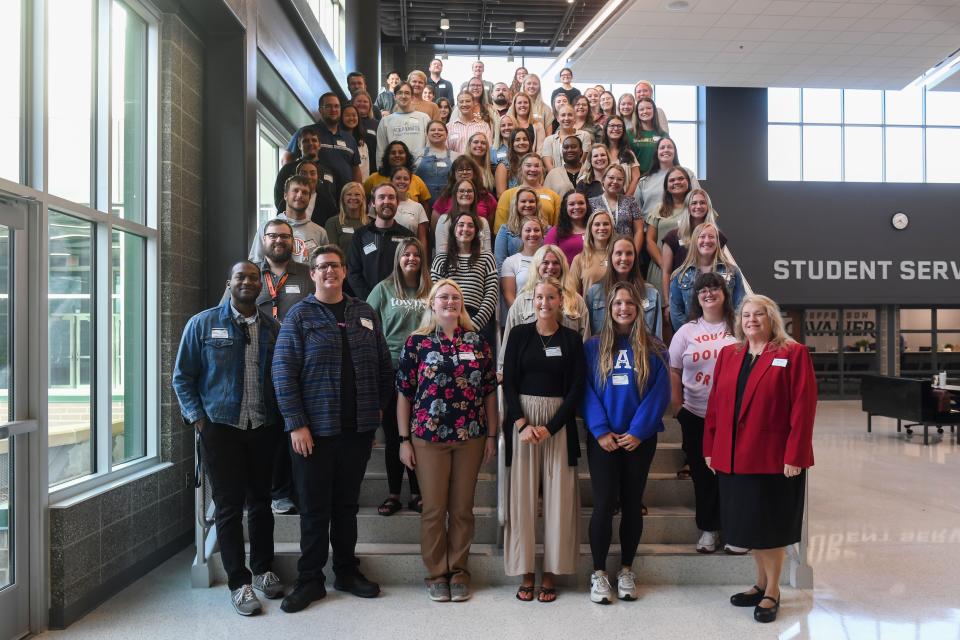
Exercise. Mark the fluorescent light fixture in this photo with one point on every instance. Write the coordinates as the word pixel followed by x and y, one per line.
pixel 444 24
pixel 937 73
pixel 519 26
pixel 592 26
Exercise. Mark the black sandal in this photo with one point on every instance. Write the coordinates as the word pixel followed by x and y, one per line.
pixel 683 473
pixel 416 503
pixel 550 592
pixel 389 507
pixel 525 593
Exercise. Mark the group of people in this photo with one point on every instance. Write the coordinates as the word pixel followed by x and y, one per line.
pixel 379 300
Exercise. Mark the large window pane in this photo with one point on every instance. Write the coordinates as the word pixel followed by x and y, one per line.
pixel 821 105
pixel 10 29
pixel 128 70
pixel 6 353
pixel 7 542
pixel 904 154
pixel 783 152
pixel 783 105
pixel 268 154
pixel 943 108
pixel 70 334
pixel 863 154
pixel 821 153
pixel 679 102
pixel 862 106
pixel 128 370
pixel 685 137
pixel 904 107
pixel 69 97
pixel 942 162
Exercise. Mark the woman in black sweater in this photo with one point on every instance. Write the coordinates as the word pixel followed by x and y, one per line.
pixel 543 375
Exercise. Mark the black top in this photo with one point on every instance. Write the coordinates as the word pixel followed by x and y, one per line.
pixel 327 198
pixel 527 372
pixel 572 94
pixel 348 380
pixel 745 369
pixel 590 189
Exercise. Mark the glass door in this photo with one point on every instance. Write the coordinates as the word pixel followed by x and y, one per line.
pixel 15 430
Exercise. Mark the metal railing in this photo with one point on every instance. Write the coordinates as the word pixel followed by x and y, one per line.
pixel 205 534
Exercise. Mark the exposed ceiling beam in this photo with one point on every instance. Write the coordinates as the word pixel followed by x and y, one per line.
pixel 562 25
pixel 483 19
pixel 403 24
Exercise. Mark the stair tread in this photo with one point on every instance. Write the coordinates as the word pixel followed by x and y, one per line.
pixel 652 512
pixel 398 549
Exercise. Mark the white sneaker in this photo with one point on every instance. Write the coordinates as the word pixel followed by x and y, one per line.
pixel 731 550
pixel 627 585
pixel 600 590
pixel 283 506
pixel 708 542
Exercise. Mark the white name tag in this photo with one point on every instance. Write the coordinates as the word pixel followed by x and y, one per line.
pixel 501 154
pixel 369 248
pixel 328 177
pixel 645 304
pixel 293 288
pixel 553 352
pixel 441 164
pixel 371 132
pixel 544 196
pixel 621 379
pixel 219 333
pixel 367 322
pixel 467 356
pixel 341 143
pixel 779 362
pixel 348 230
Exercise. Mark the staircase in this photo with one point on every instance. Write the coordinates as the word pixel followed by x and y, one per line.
pixel 389 548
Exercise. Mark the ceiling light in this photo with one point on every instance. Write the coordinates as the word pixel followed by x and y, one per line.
pixel 938 73
pixel 444 23
pixel 444 56
pixel 519 27
pixel 509 57
pixel 678 5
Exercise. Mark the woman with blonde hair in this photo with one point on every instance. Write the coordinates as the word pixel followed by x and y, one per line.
pixel 543 372
pixel 598 159
pixel 507 175
pixel 704 256
pixel 624 267
pixel 399 301
pixel 447 418
pixel 540 110
pixel 676 186
pixel 353 215
pixel 524 205
pixel 626 392
pixel 521 111
pixel 591 264
pixel 758 439
pixel 622 208
pixel 478 150
pixel 531 177
pixel 697 209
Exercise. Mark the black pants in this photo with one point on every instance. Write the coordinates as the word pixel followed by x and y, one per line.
pixel 705 486
pixel 327 483
pixel 395 468
pixel 282 484
pixel 238 464
pixel 618 478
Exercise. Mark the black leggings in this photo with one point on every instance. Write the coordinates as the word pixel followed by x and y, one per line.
pixel 618 478
pixel 705 486
pixel 391 437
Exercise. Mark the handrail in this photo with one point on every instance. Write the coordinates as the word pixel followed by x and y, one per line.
pixel 743 277
pixel 503 475
pixel 204 531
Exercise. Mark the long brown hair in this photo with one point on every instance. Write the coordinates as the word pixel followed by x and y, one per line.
pixel 642 343
pixel 423 288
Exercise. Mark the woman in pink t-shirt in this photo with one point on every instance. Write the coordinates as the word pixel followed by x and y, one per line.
pixel 693 354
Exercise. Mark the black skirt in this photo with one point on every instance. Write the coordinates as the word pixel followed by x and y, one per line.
pixel 761 510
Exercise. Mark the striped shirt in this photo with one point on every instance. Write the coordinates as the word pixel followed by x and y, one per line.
pixel 480 284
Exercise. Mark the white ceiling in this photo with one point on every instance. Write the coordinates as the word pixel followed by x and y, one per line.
pixel 868 44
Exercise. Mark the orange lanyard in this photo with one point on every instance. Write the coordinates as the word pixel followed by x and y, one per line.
pixel 274 289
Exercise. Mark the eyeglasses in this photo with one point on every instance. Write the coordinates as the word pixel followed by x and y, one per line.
pixel 618 127
pixel 464 192
pixel 464 170
pixel 706 290
pixel 448 297
pixel 278 236
pixel 327 266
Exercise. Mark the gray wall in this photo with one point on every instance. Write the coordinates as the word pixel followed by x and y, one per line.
pixel 768 221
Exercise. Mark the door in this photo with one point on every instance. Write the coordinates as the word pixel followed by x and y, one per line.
pixel 15 428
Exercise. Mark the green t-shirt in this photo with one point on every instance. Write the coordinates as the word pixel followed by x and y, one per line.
pixel 341 235
pixel 399 316
pixel 644 145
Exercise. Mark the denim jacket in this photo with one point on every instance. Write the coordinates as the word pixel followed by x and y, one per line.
pixel 681 292
pixel 208 374
pixel 597 304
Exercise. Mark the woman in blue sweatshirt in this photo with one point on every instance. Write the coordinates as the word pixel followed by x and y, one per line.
pixel 626 392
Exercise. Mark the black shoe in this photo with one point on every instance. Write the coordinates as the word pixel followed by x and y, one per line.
pixel 302 595
pixel 356 584
pixel 747 599
pixel 761 614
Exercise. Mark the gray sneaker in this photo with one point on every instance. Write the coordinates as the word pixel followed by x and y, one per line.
pixel 460 592
pixel 268 584
pixel 439 592
pixel 245 601
pixel 283 506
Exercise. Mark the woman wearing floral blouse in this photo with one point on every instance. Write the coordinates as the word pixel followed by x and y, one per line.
pixel 447 402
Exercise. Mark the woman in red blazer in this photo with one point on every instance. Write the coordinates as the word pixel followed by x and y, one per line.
pixel 758 438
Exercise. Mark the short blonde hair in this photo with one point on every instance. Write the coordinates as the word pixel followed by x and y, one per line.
pixel 416 73
pixel 429 323
pixel 778 332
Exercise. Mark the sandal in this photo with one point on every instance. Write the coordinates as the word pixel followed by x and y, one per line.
pixel 525 593
pixel 416 503
pixel 389 507
pixel 547 594
pixel 684 472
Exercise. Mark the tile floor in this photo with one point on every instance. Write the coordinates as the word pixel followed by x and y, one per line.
pixel 884 546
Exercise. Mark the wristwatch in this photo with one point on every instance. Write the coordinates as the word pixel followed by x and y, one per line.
pixel 404 438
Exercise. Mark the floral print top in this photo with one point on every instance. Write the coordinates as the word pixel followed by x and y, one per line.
pixel 446 382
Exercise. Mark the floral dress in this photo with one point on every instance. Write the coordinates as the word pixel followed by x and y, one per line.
pixel 446 382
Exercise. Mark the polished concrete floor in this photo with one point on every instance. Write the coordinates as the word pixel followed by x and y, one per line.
pixel 884 546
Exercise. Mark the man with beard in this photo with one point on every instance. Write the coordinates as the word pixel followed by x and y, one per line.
pixel 333 376
pixel 338 148
pixel 223 383
pixel 501 98
pixel 370 258
pixel 307 235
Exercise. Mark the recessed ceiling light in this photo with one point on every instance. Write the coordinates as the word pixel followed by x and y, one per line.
pixel 678 5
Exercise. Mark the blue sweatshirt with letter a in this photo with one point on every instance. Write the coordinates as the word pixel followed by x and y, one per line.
pixel 618 406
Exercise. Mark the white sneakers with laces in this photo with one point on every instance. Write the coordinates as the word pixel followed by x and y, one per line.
pixel 708 543
pixel 600 590
pixel 627 585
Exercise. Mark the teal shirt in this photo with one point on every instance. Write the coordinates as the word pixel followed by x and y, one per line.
pixel 399 316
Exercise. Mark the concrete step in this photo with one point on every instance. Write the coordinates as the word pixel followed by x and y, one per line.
pixel 400 564
pixel 662 525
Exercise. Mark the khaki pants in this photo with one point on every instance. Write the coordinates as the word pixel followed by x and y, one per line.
pixel 561 498
pixel 448 480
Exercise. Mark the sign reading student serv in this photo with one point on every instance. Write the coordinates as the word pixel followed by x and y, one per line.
pixel 866 270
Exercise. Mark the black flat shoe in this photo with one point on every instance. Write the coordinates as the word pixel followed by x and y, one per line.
pixel 762 614
pixel 357 584
pixel 302 595
pixel 747 599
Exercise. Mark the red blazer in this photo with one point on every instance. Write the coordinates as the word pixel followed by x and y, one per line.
pixel 775 425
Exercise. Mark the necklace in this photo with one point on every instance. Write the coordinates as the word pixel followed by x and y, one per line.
pixel 548 341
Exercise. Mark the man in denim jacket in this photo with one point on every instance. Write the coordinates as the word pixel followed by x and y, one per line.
pixel 222 381
pixel 333 374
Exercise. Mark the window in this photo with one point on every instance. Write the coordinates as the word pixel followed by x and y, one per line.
pixel 269 152
pixel 863 135
pixel 128 43
pixel 842 344
pixel 930 342
pixel 10 70
pixel 329 14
